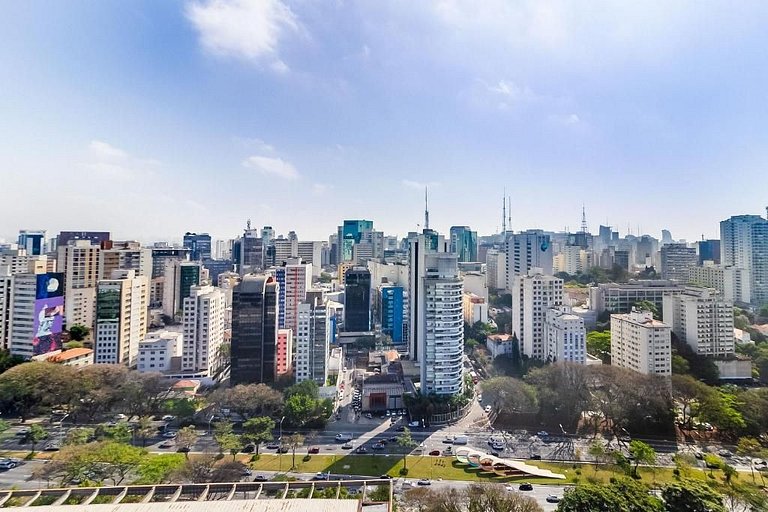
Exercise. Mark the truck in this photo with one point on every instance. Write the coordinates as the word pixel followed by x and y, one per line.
pixel 343 438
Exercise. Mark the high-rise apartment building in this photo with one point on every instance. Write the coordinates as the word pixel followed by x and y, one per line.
pixel 6 286
pixel 79 261
pixel 640 343
pixel 532 295
pixel 565 336
pixel 35 319
pixel 676 260
pixel 357 300
pixel 94 237
pixel 203 318
pixel 127 255
pixel 731 282
pixel 496 269
pixel 254 330
pixel 313 339
pixel 199 245
pixel 250 255
pixel 708 250
pixel 122 305
pixel 527 250
pixel 284 352
pixel 33 241
pixel 464 243
pixel 295 280
pixel 351 232
pixel 703 319
pixel 744 244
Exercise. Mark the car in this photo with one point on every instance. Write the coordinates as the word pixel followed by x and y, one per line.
pixel 435 453
pixel 448 440
pixel 386 477
pixel 553 498
pixel 249 448
pixel 52 446
pixel 479 398
pixel 7 464
pixel 322 476
pixel 535 457
pixel 487 409
pixel 369 416
pixel 346 446
pixel 183 449
pixel 525 486
pixel 170 434
pixel 542 433
pixel 495 454
pixel 383 441
pixel 759 462
pixel 121 417
pixel 168 417
pixel 282 449
pixel 424 481
pixel 414 424
pixel 166 444
pixel 361 449
pixel 401 428
pixel 698 455
pixel 343 437
pixel 59 412
pixel 260 478
pixel 24 432
pixel 314 450
pixel 725 453
pixel 273 445
pixel 378 446
pixel 393 439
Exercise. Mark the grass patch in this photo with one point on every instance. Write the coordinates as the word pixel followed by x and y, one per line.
pixel 655 477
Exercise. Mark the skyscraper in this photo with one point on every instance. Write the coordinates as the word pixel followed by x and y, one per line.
pixel 357 300
pixel 122 304
pixel 203 321
pixel 254 330
pixel 676 260
pixel 79 261
pixel 351 232
pixel 313 339
pixel 36 313
pixel 744 243
pixel 199 245
pixel 527 250
pixel 295 279
pixel 464 243
pixel 709 250
pixel 703 319
pixel 33 241
pixel 391 305
pixel 532 295
pixel 126 255
pixel 640 343
pixel 180 277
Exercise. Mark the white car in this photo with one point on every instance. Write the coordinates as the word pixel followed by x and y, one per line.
pixel 487 409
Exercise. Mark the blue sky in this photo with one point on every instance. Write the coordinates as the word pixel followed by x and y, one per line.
pixel 151 118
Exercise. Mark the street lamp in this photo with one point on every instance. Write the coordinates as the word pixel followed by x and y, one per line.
pixel 280 445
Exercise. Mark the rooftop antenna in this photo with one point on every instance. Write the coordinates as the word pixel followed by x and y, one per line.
pixel 584 227
pixel 509 213
pixel 248 225
pixel 504 212
pixel 426 208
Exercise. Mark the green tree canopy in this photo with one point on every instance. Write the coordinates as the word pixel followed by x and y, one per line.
pixel 79 332
pixel 258 430
pixel 690 495
pixel 623 495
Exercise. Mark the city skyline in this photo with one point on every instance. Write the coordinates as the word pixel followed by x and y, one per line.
pixel 165 117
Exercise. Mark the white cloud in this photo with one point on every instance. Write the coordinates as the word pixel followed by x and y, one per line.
pixel 319 189
pixel 247 29
pixel 112 162
pixel 103 150
pixel 417 185
pixel 272 166
pixel 255 143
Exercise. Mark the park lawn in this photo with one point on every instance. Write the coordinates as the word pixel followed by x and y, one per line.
pixel 585 472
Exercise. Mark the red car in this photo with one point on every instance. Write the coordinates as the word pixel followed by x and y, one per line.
pixel 314 449
pixel 435 453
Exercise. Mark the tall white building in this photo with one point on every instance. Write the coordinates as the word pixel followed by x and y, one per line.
pixel 496 269
pixel 121 317
pixel 6 282
pixel 21 331
pixel 125 256
pixel 532 295
pixel 731 282
pixel 565 335
pixel 79 261
pixel 744 244
pixel 312 339
pixel 158 350
pixel 640 343
pixel 527 250
pixel 203 319
pixel 703 319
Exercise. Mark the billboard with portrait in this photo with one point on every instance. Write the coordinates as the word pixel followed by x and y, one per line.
pixel 48 322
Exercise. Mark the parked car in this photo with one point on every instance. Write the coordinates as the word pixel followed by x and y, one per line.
pixel 535 457
pixel 322 476
pixel 361 449
pixel 168 417
pixel 283 449
pixel 424 481
pixel 487 409
pixel 183 449
pixel 553 498
pixel 260 478
pixel 346 446
pixel 52 446
pixel 247 472
pixel 525 486
pixel 24 432
pixel 435 453
pixel 314 450
pixel 249 448
pixel 166 444
pixel 273 445
pixel 7 464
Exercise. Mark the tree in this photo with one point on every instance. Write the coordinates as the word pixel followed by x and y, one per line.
pixel 144 429
pixel 183 408
pixel 196 471
pixel 29 386
pixel 691 495
pixel 79 332
pixel 230 471
pixel 599 345
pixel 689 394
pixel 118 459
pixel 623 495
pixel 563 393
pixel 159 468
pixel 8 361
pixel 405 441
pixel 72 462
pixel 72 344
pixel 749 447
pixel 228 441
pixel 4 426
pixel 294 441
pixel 739 497
pixel 484 498
pixel 258 430
pixel 597 450
pixel 79 436
pixel 712 462
pixel 643 453
pixel 35 435
pixel 120 433
pixel 185 438
pixel 509 394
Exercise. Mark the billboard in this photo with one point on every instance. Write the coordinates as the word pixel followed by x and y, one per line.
pixel 48 321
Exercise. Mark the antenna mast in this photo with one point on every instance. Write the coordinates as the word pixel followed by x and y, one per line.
pixel 584 227
pixel 426 208
pixel 504 212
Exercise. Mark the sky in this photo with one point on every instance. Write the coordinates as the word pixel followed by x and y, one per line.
pixel 152 118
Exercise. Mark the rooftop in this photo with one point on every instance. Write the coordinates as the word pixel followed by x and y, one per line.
pixel 70 354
